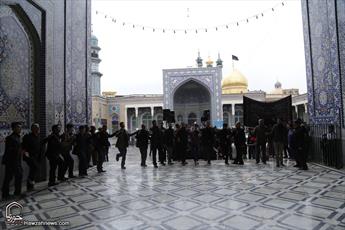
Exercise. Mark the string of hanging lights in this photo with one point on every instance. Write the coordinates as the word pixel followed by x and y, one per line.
pixel 216 28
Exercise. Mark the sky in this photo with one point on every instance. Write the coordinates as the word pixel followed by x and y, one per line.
pixel 269 48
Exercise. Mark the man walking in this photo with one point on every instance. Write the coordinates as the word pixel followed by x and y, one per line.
pixel 195 143
pixel 54 150
pixel 182 143
pixel 240 143
pixel 104 144
pixel 12 160
pixel 81 150
pixel 300 137
pixel 32 146
pixel 67 141
pixel 261 139
pixel 225 142
pixel 155 142
pixel 278 136
pixel 143 137
pixel 207 141
pixel 169 143
pixel 122 144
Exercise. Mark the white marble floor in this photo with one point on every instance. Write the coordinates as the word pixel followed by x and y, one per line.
pixel 203 197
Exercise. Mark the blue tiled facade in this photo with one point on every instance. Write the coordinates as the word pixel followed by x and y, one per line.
pixel 324 38
pixel 45 63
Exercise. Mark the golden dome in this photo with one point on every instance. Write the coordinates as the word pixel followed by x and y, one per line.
pixel 209 62
pixel 236 82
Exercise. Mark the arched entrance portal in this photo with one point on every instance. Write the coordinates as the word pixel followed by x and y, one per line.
pixel 190 100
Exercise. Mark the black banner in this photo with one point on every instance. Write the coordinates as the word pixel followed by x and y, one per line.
pixel 269 111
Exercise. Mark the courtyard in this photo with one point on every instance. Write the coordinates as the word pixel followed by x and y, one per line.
pixel 192 197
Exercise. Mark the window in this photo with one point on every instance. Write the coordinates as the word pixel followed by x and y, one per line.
pixel 94 55
pixel 115 122
pixel 147 120
pixel 133 123
pixel 239 114
pixel 226 118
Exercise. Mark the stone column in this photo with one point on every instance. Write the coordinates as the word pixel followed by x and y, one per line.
pixel 152 111
pixel 126 123
pixel 232 115
pixel 136 111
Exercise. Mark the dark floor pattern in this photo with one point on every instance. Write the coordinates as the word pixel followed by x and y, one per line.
pixel 203 197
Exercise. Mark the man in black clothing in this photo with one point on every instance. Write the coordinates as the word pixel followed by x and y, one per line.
pixel 32 147
pixel 169 143
pixel 261 139
pixel 240 143
pixel 104 145
pixel 93 145
pixel 89 147
pixel 224 136
pixel 155 142
pixel 207 141
pixel 54 150
pixel 300 136
pixel 67 141
pixel 195 143
pixel 162 150
pixel 182 143
pixel 122 144
pixel 12 160
pixel 81 150
pixel 142 137
pixel 279 135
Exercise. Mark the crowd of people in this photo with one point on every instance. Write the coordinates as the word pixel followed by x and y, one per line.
pixel 169 144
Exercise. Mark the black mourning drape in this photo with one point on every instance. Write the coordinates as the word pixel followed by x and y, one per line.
pixel 269 111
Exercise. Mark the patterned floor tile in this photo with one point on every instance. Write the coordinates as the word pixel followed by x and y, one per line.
pixel 209 213
pixel 279 203
pixel 302 222
pixel 262 212
pixel 158 213
pixel 126 222
pixel 108 213
pixel 232 204
pixel 329 203
pixel 182 223
pixel 241 222
pixel 251 196
pixel 315 211
pixel 184 205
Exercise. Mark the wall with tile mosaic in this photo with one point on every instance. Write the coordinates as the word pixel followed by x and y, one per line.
pixel 324 33
pixel 324 39
pixel 44 63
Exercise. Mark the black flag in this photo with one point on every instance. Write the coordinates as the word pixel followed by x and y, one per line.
pixel 234 58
